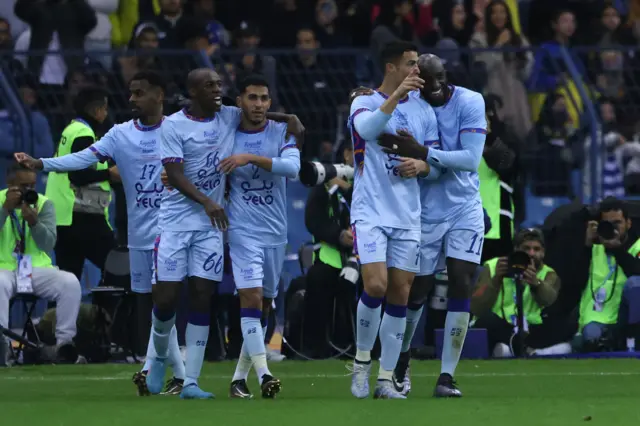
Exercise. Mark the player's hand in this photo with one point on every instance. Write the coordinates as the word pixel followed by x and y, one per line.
pixel 502 269
pixel 592 233
pixel 342 184
pixel 403 145
pixel 411 83
pixel 229 164
pixel 164 178
pixel 614 243
pixel 27 161
pixel 346 238
pixel 359 91
pixel 410 167
pixel 530 275
pixel 217 215
pixel 13 200
pixel 29 214
pixel 296 129
pixel 114 174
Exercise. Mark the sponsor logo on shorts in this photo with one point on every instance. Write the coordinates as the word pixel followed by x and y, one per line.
pixel 170 265
pixel 370 247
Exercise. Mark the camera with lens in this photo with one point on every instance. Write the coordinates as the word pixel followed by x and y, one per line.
pixel 29 196
pixel 519 261
pixel 313 173
pixel 606 230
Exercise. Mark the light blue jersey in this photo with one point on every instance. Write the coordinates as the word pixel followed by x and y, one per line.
pixel 200 145
pixel 381 196
pixel 257 198
pixel 462 128
pixel 135 149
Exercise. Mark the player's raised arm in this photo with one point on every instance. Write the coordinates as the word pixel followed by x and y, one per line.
pixel 473 133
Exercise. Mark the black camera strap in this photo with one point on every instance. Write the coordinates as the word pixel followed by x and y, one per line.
pixel 20 229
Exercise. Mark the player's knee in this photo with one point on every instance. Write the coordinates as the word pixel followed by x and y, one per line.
pixel 250 298
pixel 420 290
pixel 69 286
pixel 374 277
pixel 462 276
pixel 163 296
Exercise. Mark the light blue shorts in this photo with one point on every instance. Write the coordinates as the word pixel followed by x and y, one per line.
pixel 398 248
pixel 141 268
pixel 257 267
pixel 181 254
pixel 460 237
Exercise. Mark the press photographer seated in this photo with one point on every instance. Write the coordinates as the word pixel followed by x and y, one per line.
pixel 494 300
pixel 28 233
pixel 610 302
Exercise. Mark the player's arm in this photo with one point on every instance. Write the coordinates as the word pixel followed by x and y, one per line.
pixel 473 133
pixel 295 127
pixel 89 175
pixel 546 292
pixel 287 164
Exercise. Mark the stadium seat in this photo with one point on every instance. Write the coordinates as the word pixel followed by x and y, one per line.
pixel 538 208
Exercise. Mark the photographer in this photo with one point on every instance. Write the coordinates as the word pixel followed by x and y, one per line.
pixel 28 233
pixel 327 218
pixel 494 301
pixel 610 298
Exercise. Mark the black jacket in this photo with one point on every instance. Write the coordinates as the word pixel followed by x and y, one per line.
pixel 320 224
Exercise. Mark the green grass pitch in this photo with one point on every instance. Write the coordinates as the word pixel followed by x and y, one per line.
pixel 496 393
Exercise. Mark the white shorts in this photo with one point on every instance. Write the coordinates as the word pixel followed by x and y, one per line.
pixel 255 266
pixel 183 254
pixel 460 237
pixel 141 268
pixel 398 248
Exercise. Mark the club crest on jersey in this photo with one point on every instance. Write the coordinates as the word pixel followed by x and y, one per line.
pixel 211 136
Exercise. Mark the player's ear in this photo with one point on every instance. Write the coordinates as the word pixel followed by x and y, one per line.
pixel 238 101
pixel 269 104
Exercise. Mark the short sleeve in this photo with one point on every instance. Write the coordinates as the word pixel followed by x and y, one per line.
pixel 360 104
pixel 473 117
pixel 104 149
pixel 288 143
pixel 170 144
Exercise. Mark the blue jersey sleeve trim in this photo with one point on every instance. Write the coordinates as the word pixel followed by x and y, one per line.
pixel 98 155
pixel 172 160
pixel 474 130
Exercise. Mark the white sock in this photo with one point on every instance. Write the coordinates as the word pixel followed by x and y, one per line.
pixel 455 331
pixel 413 317
pixel 175 357
pixel 243 366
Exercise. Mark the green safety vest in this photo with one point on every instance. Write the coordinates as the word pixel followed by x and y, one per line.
pixel 59 188
pixel 329 254
pixel 491 193
pixel 505 306
pixel 601 298
pixel 9 239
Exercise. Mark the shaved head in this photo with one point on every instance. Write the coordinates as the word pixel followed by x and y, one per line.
pixel 205 90
pixel 436 90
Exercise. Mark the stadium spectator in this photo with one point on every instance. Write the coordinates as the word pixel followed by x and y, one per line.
pixel 620 164
pixel 328 25
pixel 494 302
pixel 28 222
pixel 129 14
pixel 218 35
pixel 391 25
pixel 143 55
pixel 311 86
pixel 252 62
pixel 455 22
pixel 99 39
pixel 609 306
pixel 506 70
pixel 53 27
pixel 168 22
pixel 7 12
pixel 7 62
pixel 554 147
pixel 284 21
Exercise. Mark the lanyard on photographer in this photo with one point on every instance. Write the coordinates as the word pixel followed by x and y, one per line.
pixel 20 229
pixel 613 270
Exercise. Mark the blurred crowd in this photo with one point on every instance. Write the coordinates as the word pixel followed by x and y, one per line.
pixel 510 50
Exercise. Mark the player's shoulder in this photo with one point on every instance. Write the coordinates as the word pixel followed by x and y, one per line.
pixel 229 112
pixel 276 127
pixel 174 118
pixel 468 97
pixel 367 102
pixel 122 128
